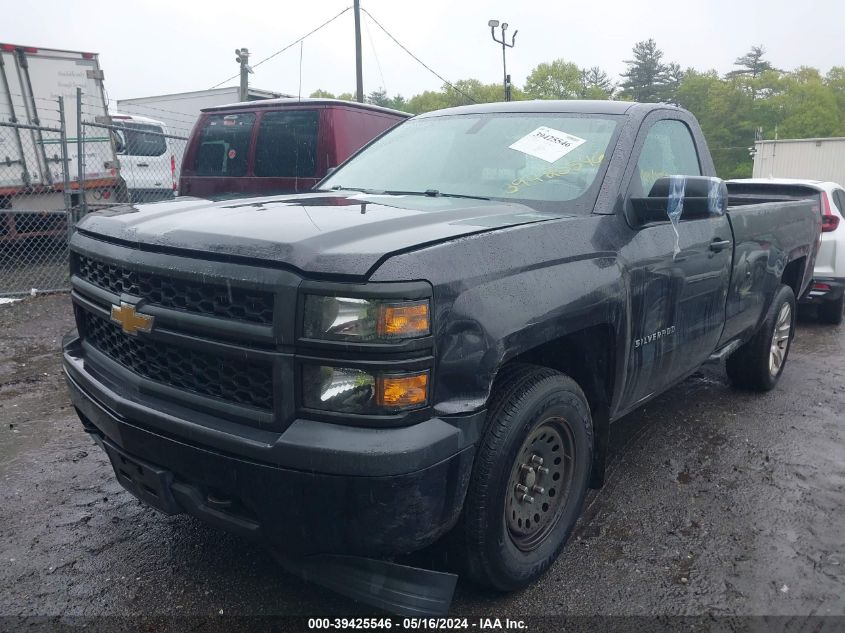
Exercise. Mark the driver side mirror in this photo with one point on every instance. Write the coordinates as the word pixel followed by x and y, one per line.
pixel 681 197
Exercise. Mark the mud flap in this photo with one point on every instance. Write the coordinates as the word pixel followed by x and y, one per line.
pixel 601 434
pixel 397 589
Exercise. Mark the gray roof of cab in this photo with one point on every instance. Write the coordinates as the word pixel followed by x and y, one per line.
pixel 293 101
pixel 575 106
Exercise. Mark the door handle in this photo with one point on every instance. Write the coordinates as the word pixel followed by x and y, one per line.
pixel 717 244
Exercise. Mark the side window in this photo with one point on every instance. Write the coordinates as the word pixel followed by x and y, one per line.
pixel 668 150
pixel 287 144
pixel 138 139
pixel 224 145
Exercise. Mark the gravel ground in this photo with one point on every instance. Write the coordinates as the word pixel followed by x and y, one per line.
pixel 717 502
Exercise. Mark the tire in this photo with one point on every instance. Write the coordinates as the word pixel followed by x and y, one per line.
pixel 830 312
pixel 533 412
pixel 758 364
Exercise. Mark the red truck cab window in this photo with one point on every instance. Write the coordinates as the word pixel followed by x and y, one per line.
pixel 224 145
pixel 287 144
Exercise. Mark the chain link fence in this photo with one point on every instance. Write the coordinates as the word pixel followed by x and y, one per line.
pixel 68 164
pixel 35 204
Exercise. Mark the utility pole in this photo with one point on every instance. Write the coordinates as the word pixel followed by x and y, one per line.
pixel 506 81
pixel 242 57
pixel 359 72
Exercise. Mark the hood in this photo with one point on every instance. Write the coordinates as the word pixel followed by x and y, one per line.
pixel 328 232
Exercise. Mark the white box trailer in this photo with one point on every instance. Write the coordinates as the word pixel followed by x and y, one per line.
pixel 31 175
pixel 809 159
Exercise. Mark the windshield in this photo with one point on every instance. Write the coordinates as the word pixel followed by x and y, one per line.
pixel 537 159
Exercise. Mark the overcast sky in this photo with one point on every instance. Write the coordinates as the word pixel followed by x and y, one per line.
pixel 150 47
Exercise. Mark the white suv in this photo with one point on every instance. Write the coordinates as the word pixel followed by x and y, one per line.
pixel 828 289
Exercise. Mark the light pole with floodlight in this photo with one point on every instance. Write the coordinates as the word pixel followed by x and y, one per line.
pixel 493 24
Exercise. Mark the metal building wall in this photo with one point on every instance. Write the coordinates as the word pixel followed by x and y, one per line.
pixel 180 111
pixel 815 159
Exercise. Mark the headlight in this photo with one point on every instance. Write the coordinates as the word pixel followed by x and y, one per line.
pixel 348 390
pixel 365 320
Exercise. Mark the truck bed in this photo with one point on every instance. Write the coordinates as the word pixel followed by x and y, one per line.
pixel 771 232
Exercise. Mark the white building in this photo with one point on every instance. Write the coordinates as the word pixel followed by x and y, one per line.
pixel 180 111
pixel 809 158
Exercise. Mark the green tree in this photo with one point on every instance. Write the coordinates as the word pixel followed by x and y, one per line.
pixel 725 110
pixel 461 92
pixel 398 103
pixel 379 97
pixel 595 84
pixel 804 106
pixel 752 63
pixel 835 81
pixel 467 91
pixel 346 96
pixel 426 102
pixel 558 79
pixel 322 94
pixel 671 80
pixel 644 77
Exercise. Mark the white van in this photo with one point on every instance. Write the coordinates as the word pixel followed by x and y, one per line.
pixel 146 157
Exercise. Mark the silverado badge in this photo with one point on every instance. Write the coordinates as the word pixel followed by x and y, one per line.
pixel 130 321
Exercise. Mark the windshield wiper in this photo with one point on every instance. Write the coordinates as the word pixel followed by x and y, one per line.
pixel 433 193
pixel 342 188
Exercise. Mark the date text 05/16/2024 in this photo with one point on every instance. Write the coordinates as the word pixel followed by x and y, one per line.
pixel 415 624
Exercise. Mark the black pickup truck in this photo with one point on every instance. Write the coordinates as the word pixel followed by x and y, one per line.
pixel 434 342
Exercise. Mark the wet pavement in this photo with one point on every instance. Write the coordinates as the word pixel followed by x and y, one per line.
pixel 717 502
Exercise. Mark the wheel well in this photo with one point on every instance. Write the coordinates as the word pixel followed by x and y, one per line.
pixel 588 357
pixel 793 274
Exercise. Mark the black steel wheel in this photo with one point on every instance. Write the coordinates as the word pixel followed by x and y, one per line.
pixel 540 483
pixel 529 479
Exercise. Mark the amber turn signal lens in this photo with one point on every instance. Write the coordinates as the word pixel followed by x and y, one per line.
pixel 399 392
pixel 404 320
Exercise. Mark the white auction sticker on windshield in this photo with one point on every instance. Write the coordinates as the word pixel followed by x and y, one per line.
pixel 547 144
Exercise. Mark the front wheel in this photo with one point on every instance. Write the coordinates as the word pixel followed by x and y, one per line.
pixel 759 363
pixel 529 479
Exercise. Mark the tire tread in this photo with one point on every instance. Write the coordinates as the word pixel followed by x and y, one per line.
pixel 513 386
pixel 748 366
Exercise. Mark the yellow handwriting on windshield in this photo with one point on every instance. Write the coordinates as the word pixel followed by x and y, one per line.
pixel 559 172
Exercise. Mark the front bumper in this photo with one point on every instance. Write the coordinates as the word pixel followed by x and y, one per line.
pixel 823 289
pixel 315 488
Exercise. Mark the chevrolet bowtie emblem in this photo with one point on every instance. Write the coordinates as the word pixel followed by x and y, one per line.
pixel 130 321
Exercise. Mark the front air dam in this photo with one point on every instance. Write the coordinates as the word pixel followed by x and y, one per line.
pixel 397 589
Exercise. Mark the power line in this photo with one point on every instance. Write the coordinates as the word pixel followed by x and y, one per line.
pixel 375 54
pixel 417 59
pixel 279 52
